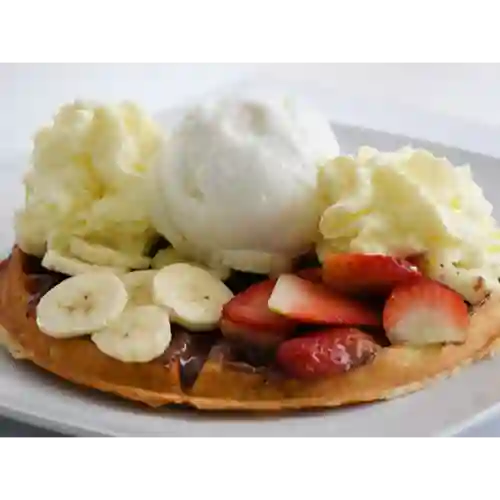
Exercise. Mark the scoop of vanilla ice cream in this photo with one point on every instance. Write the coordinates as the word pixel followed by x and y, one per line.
pixel 236 182
pixel 87 188
pixel 411 202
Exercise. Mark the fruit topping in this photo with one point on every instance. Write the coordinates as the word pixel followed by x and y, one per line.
pixel 306 302
pixel 193 296
pixel 326 353
pixel 81 304
pixel 425 312
pixel 139 335
pixel 249 312
pixel 366 274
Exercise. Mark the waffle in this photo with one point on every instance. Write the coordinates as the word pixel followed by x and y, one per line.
pixel 207 372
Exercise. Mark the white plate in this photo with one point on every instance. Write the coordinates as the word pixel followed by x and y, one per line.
pixel 444 408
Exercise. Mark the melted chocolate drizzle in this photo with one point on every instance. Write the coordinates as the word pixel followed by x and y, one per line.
pixel 192 361
pixel 37 286
pixel 240 357
pixel 191 351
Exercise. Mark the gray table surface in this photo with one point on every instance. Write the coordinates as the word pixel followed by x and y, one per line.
pixel 11 428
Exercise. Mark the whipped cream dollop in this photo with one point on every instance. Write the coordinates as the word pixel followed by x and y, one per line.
pixel 410 202
pixel 236 182
pixel 86 189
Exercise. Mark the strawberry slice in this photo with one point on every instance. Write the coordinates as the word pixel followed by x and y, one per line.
pixel 366 274
pixel 248 311
pixel 425 312
pixel 314 274
pixel 307 302
pixel 326 353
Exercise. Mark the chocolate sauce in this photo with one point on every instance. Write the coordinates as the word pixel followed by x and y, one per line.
pixel 33 265
pixel 252 355
pixel 38 285
pixel 226 353
pixel 38 282
pixel 240 366
pixel 222 352
pixel 191 350
pixel 193 357
pixel 179 344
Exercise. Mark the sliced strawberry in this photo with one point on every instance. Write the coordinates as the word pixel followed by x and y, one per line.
pixel 314 274
pixel 249 308
pixel 252 334
pixel 425 312
pixel 307 302
pixel 326 353
pixel 366 274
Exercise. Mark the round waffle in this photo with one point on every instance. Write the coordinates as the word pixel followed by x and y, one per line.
pixel 218 383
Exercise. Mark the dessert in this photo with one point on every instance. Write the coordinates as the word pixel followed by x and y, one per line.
pixel 238 261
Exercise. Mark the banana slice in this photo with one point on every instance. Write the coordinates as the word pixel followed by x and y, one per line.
pixel 140 334
pixel 82 304
pixel 104 256
pixel 168 256
pixel 193 296
pixel 56 261
pixel 139 286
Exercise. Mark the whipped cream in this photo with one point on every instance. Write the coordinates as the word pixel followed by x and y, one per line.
pixel 236 182
pixel 87 186
pixel 411 202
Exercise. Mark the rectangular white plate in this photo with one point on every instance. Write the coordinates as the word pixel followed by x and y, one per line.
pixel 445 408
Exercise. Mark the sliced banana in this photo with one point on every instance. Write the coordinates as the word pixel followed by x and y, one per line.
pixel 193 296
pixel 105 256
pixel 168 256
pixel 82 304
pixel 140 334
pixel 56 261
pixel 139 286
